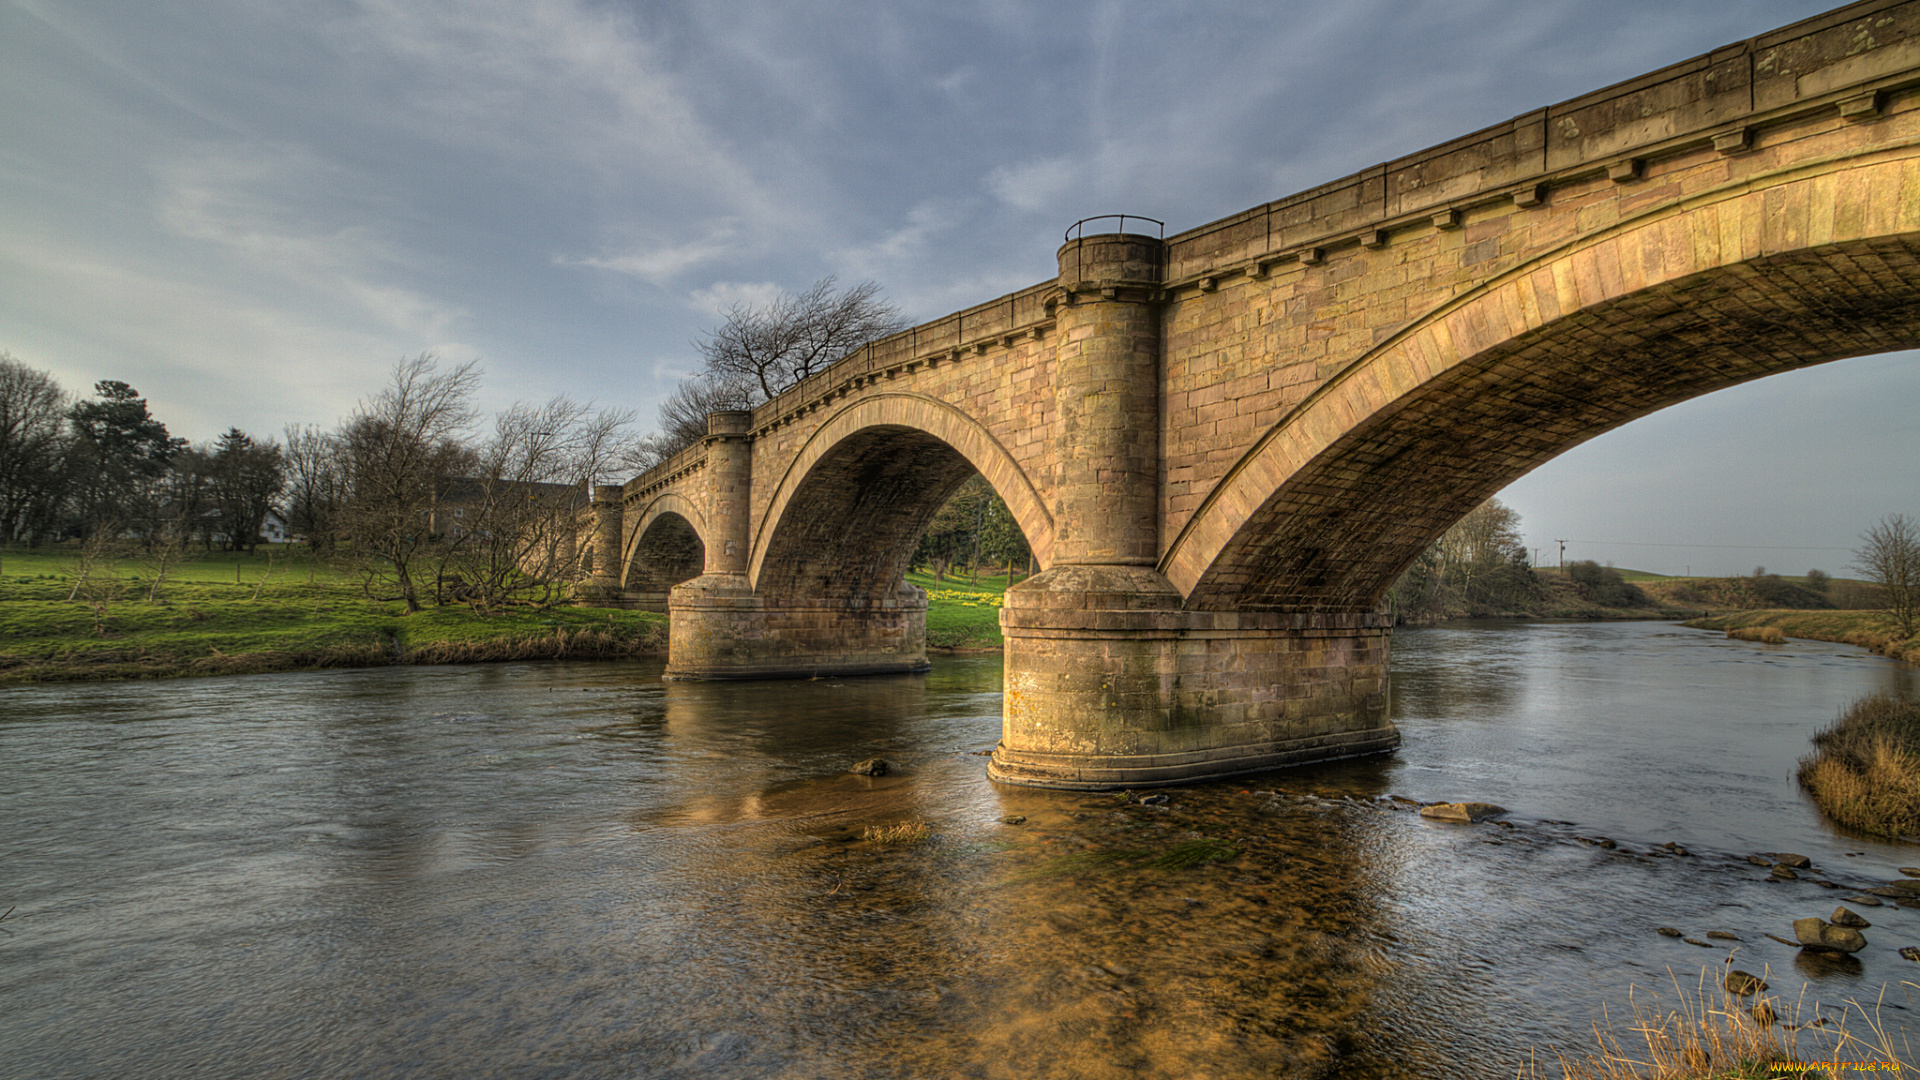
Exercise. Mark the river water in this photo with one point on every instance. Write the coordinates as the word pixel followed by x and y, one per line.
pixel 575 870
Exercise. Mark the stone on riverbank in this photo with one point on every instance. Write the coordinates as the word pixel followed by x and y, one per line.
pixel 871 767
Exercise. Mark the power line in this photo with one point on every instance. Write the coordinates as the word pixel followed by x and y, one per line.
pixel 1717 547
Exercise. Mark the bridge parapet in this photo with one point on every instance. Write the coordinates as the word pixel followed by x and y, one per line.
pixel 1846 63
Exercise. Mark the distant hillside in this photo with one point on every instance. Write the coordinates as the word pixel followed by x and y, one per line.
pixel 1770 591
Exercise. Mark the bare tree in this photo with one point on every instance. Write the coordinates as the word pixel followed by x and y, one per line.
pixel 517 536
pixel 33 444
pixel 760 351
pixel 683 416
pixel 316 484
pixel 773 346
pixel 400 449
pixel 1889 557
pixel 168 547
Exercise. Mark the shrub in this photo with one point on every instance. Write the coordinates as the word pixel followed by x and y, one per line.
pixel 1604 586
pixel 1865 769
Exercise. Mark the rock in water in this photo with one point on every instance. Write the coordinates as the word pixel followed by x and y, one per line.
pixel 1797 862
pixel 1466 812
pixel 1911 871
pixel 1818 934
pixel 871 767
pixel 1865 901
pixel 1908 952
pixel 1667 931
pixel 1846 939
pixel 1745 983
pixel 1842 917
pixel 1014 819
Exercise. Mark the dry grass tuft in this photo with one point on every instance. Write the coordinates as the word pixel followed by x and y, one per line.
pixel 1714 1035
pixel 1865 769
pixel 1768 635
pixel 905 832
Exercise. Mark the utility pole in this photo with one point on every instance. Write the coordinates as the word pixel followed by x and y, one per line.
pixel 1563 553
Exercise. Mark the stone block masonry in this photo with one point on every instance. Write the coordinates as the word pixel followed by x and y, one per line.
pixel 1223 447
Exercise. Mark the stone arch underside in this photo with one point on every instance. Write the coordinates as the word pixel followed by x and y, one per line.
pixel 666 547
pixel 853 503
pixel 847 530
pixel 1334 502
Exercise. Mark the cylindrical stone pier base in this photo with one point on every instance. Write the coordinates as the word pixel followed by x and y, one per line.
pixel 719 629
pixel 1109 684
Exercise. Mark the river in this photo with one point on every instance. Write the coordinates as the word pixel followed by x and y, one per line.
pixel 575 870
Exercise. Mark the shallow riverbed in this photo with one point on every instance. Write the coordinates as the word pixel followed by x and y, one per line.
pixel 576 870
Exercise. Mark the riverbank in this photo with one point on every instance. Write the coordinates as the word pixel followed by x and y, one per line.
pixel 963 616
pixel 1871 630
pixel 230 613
pixel 235 614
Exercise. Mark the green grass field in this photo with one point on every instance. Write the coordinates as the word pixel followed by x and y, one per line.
pixel 227 614
pixel 282 610
pixel 962 615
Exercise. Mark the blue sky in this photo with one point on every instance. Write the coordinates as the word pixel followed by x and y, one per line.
pixel 249 209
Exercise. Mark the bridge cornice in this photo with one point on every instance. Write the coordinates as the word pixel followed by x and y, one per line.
pixel 1615 132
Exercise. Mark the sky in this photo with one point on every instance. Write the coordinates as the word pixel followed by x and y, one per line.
pixel 251 209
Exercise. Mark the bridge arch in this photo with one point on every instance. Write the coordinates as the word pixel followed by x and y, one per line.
pixel 864 486
pixel 1800 267
pixel 666 546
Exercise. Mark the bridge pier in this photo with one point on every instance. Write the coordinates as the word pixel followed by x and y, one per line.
pixel 603 577
pixel 1110 684
pixel 1109 681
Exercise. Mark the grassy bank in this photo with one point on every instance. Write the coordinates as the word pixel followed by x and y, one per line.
pixel 239 614
pixel 1865 770
pixel 1873 630
pixel 228 613
pixel 962 615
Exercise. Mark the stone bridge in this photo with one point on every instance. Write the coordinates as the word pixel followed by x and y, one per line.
pixel 1225 445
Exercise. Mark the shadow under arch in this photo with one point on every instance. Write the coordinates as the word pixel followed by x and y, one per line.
pixel 665 549
pixel 1759 277
pixel 844 519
